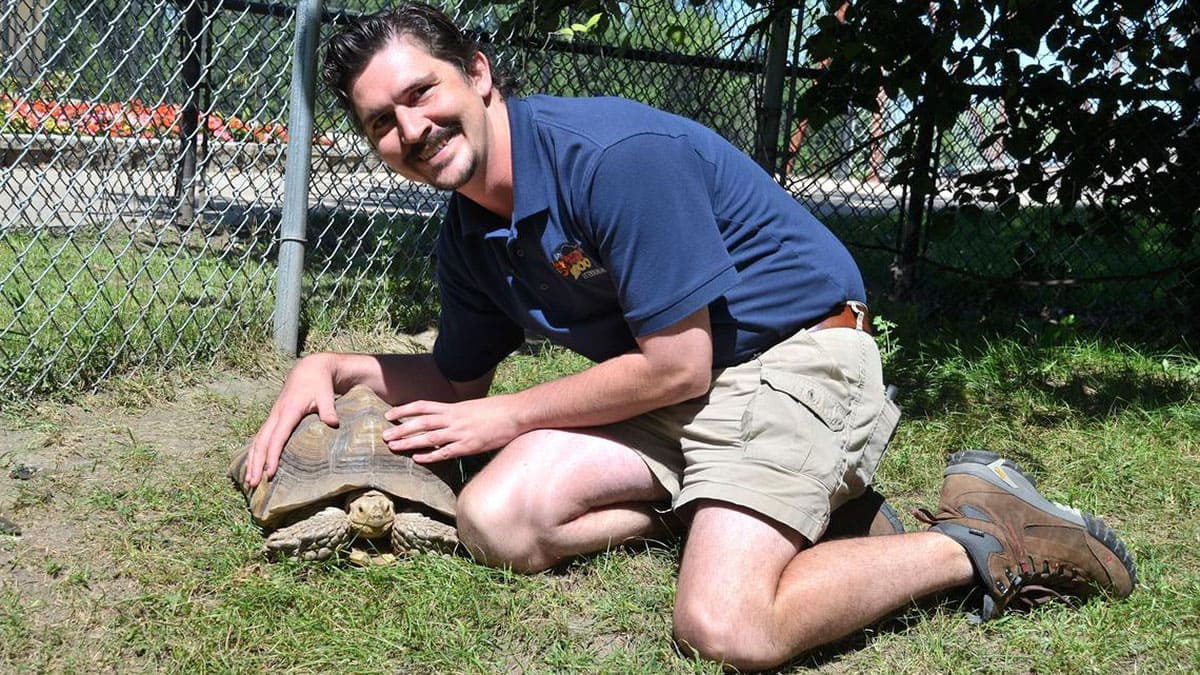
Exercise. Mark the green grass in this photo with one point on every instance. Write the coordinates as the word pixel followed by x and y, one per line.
pixel 77 310
pixel 987 267
pixel 372 270
pixel 74 311
pixel 146 559
pixel 166 575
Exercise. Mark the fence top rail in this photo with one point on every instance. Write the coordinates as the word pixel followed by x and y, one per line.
pixel 646 55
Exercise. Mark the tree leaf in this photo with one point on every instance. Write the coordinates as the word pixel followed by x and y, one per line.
pixel 971 20
pixel 677 34
pixel 821 46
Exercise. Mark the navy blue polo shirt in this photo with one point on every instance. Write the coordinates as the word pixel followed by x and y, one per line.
pixel 626 220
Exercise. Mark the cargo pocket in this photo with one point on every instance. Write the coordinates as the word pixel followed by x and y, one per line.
pixel 877 443
pixel 795 424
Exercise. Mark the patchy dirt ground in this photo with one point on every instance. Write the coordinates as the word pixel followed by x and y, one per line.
pixel 56 461
pixel 68 477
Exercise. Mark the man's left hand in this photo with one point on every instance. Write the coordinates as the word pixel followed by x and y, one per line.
pixel 434 431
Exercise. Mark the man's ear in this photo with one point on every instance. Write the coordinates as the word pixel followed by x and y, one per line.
pixel 480 74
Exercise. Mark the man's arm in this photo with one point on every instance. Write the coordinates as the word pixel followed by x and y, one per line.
pixel 669 366
pixel 400 378
pixel 315 379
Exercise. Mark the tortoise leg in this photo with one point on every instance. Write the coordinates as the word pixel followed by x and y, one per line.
pixel 314 538
pixel 413 531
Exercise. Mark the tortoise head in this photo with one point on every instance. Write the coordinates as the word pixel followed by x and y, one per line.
pixel 371 513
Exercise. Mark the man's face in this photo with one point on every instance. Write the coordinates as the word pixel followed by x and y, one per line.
pixel 425 117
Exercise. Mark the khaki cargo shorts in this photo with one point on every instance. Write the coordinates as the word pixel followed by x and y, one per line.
pixel 791 434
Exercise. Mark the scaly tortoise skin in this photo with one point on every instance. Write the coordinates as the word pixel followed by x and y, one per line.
pixel 336 485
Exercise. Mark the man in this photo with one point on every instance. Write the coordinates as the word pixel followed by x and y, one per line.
pixel 734 378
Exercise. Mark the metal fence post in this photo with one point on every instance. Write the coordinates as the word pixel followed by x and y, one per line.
pixel 191 47
pixel 294 223
pixel 767 153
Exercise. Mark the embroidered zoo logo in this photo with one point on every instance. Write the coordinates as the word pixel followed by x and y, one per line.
pixel 571 261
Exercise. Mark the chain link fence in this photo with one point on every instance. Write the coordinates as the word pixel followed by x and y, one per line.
pixel 1062 185
pixel 142 154
pixel 141 158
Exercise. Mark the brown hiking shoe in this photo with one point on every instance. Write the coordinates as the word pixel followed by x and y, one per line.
pixel 867 515
pixel 1023 547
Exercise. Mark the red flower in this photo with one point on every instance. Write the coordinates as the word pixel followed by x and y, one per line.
pixel 129 119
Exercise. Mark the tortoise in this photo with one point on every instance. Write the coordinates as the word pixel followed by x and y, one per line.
pixel 338 485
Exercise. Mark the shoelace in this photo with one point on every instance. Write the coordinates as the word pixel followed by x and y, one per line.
pixel 1034 589
pixel 1027 589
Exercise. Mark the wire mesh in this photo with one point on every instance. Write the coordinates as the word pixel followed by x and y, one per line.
pixel 124 243
pixel 142 150
pixel 1037 247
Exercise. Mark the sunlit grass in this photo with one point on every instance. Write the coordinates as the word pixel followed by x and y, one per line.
pixel 166 575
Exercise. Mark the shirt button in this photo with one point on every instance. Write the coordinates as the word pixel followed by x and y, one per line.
pixel 520 253
pixel 543 287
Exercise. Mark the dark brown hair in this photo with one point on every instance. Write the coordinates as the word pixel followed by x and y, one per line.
pixel 352 47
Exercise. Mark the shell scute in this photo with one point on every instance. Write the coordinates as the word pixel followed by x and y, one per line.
pixel 320 464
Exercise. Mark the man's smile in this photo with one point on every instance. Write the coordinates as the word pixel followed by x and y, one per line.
pixel 431 147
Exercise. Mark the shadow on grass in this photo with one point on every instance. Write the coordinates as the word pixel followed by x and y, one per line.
pixel 1049 370
pixel 1094 395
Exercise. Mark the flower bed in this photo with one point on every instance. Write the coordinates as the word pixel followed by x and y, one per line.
pixel 131 119
pixel 41 131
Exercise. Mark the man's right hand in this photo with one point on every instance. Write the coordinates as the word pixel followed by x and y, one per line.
pixel 308 389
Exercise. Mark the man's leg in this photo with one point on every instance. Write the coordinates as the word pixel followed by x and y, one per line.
pixel 753 594
pixel 554 494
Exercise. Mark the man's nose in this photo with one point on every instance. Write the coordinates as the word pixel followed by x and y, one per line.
pixel 413 127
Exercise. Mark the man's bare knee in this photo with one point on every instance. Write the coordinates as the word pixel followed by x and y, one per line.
pixel 530 508
pixel 708 633
pixel 717 635
pixel 497 532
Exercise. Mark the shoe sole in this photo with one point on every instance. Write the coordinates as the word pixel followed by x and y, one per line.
pixel 1006 475
pixel 892 517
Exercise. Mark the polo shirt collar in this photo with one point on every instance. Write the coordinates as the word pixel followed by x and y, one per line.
pixel 529 190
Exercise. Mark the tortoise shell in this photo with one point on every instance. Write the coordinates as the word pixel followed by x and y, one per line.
pixel 320 464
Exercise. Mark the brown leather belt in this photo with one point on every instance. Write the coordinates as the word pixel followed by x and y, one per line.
pixel 845 318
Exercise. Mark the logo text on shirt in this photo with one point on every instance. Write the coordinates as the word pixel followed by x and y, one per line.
pixel 571 261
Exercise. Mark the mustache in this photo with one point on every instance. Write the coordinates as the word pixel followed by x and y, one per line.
pixel 433 139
